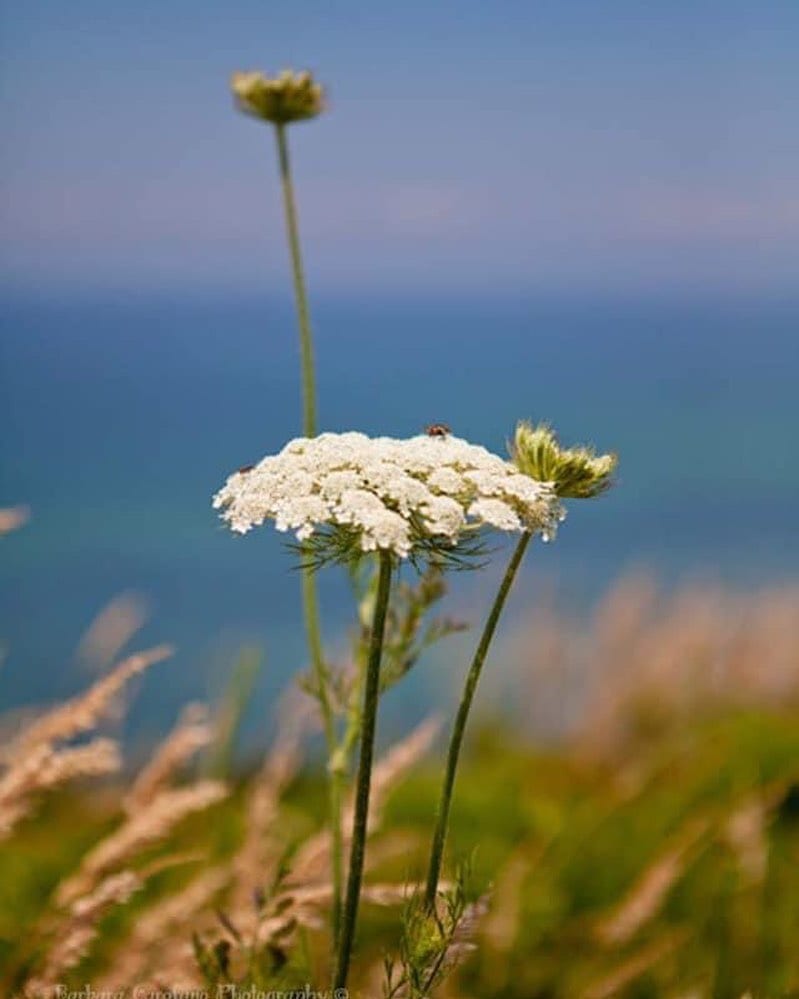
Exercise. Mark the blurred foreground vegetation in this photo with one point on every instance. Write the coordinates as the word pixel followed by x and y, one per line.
pixel 672 871
pixel 651 849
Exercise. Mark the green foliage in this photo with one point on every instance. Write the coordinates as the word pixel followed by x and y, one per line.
pixel 409 632
pixel 432 940
pixel 562 843
pixel 341 545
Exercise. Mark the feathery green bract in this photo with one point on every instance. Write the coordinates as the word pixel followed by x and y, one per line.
pixel 576 473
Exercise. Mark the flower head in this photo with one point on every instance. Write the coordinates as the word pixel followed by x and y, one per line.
pixel 574 473
pixel 411 497
pixel 281 99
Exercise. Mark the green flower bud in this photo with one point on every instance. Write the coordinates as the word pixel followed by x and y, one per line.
pixel 575 473
pixel 282 99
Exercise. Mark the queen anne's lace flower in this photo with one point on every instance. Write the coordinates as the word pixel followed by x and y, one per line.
pixel 497 513
pixel 390 494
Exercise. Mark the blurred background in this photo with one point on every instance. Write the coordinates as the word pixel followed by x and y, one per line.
pixel 574 212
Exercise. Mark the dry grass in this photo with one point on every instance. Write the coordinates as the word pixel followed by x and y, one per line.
pixel 646 657
pixel 36 759
pixel 246 900
pixel 192 733
pixel 138 831
pixel 78 929
pixel 43 768
pixel 12 518
pixel 84 712
pixel 122 909
pixel 647 895
pixel 111 630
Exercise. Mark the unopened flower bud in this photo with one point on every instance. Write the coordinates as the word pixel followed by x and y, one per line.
pixel 281 99
pixel 574 473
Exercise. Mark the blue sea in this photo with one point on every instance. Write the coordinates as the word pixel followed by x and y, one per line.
pixel 121 415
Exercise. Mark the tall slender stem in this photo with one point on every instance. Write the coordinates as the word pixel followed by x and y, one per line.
pixel 310 603
pixel 371 696
pixel 300 295
pixel 335 775
pixel 456 740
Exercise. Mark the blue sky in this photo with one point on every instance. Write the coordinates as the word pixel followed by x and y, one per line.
pixel 506 145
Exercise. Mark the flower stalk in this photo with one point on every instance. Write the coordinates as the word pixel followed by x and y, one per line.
pixel 310 601
pixel 459 728
pixel 371 696
pixel 573 473
pixel 298 276
pixel 281 100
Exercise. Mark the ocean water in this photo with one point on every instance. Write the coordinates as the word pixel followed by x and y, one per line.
pixel 122 415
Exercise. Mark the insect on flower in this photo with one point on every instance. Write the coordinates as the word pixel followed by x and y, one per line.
pixel 438 430
pixel 246 468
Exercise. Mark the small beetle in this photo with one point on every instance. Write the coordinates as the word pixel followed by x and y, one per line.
pixel 438 430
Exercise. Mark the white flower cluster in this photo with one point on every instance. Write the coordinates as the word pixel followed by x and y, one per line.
pixel 388 492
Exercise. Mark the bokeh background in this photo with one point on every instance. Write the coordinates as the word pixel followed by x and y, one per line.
pixel 576 212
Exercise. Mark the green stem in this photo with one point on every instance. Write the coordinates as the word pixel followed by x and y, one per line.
pixel 335 777
pixel 308 581
pixel 371 696
pixel 300 295
pixel 335 793
pixel 442 815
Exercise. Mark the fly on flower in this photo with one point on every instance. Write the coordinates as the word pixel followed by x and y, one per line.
pixel 438 430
